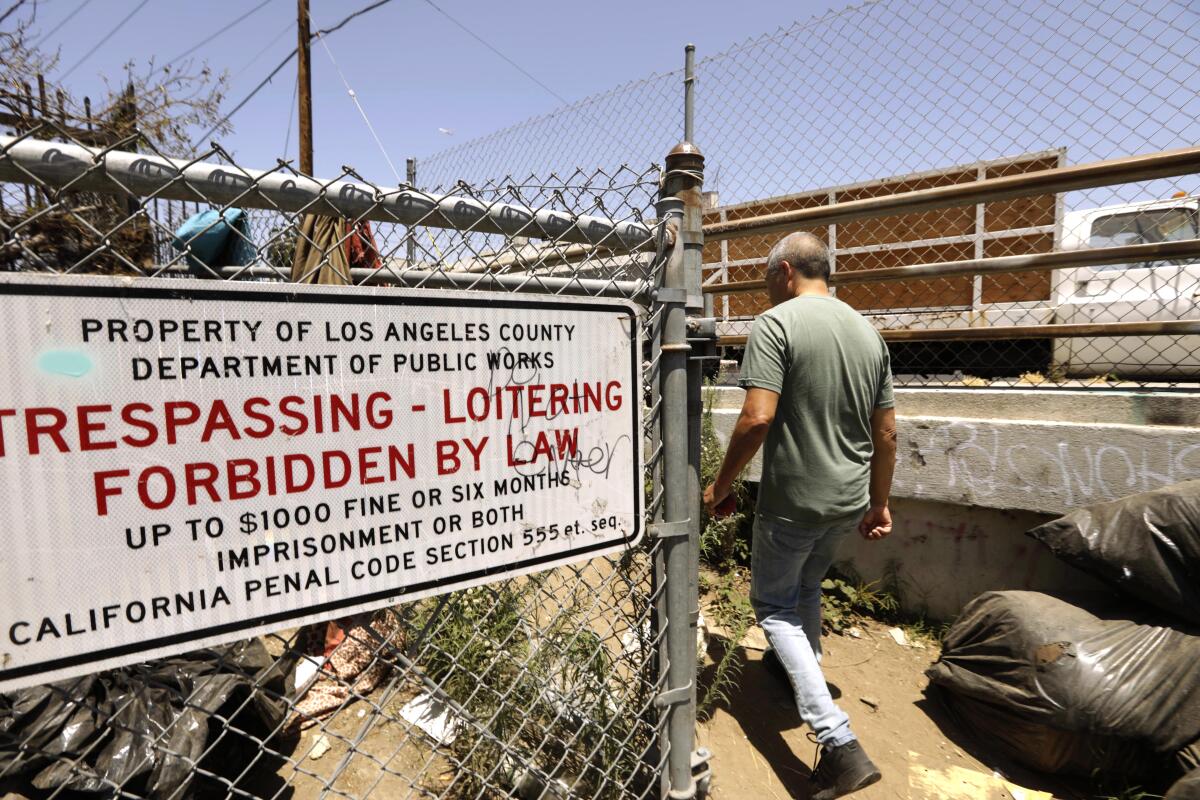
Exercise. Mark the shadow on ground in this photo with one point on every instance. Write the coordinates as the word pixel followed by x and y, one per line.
pixel 764 709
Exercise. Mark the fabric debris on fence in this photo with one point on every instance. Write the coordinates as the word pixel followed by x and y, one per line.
pixel 354 659
pixel 327 248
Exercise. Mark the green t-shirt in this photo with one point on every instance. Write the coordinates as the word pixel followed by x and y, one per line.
pixel 831 370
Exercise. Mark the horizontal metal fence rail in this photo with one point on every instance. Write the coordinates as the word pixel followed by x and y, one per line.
pixel 436 279
pixel 78 168
pixel 1056 180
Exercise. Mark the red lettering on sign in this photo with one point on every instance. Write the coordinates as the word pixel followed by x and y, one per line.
pixel 34 429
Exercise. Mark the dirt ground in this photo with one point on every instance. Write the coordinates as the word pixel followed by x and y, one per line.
pixel 760 749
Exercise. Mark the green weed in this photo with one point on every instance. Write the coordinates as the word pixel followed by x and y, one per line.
pixel 548 692
pixel 1132 793
pixel 724 541
pixel 845 599
pixel 730 608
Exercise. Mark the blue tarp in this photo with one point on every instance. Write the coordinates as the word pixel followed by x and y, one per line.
pixel 215 239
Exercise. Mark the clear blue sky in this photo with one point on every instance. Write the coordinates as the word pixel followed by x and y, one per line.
pixel 882 89
pixel 413 69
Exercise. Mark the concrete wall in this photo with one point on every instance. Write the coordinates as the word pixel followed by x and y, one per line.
pixel 945 555
pixel 977 468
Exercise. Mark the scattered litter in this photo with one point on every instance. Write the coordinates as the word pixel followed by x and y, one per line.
pixel 899 637
pixel 960 783
pixel 362 712
pixel 319 748
pixel 1021 793
pixel 873 702
pixel 854 631
pixel 634 639
pixel 433 716
pixel 306 672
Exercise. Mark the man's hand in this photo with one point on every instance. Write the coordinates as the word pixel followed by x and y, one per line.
pixel 876 523
pixel 712 497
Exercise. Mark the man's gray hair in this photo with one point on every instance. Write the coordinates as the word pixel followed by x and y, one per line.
pixel 807 254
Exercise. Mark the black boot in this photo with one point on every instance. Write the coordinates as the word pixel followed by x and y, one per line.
pixel 842 769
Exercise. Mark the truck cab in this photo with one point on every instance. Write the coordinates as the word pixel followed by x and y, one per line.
pixel 1154 291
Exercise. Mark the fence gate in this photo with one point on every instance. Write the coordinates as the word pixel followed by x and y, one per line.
pixel 225 552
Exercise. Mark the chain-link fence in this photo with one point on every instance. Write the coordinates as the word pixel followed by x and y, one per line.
pixel 545 685
pixel 901 96
pixel 557 683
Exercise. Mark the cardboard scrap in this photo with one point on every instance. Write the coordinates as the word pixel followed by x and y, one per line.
pixel 960 783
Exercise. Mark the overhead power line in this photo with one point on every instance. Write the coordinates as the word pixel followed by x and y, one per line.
pixel 287 28
pixel 495 50
pixel 346 19
pixel 12 10
pixel 200 44
pixel 285 62
pixel 362 111
pixel 250 96
pixel 104 39
pixel 61 23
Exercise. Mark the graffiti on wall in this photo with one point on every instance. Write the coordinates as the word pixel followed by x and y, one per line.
pixel 1032 466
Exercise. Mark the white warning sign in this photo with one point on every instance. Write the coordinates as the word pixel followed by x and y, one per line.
pixel 184 463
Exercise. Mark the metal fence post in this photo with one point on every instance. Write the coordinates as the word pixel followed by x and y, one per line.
pixel 681 654
pixel 680 291
pixel 410 240
pixel 689 164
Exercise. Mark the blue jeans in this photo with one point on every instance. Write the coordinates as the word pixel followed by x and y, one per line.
pixel 787 564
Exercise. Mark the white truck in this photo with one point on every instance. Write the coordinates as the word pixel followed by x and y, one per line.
pixel 1155 291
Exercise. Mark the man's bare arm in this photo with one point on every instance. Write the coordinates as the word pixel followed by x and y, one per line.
pixel 883 462
pixel 878 521
pixel 758 411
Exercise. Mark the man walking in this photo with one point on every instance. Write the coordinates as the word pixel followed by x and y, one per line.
pixel 819 393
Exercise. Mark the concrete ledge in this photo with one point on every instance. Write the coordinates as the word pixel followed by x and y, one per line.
pixel 1042 451
pixel 1052 405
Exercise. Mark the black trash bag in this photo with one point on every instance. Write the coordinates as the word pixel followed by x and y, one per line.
pixel 1066 692
pixel 1186 788
pixel 141 728
pixel 1147 545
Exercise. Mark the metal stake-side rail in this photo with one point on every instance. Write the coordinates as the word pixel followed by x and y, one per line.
pixel 1062 179
pixel 1033 262
pixel 1179 327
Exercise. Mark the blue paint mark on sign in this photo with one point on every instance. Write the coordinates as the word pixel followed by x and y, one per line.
pixel 71 363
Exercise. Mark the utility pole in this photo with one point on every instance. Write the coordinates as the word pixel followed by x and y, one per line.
pixel 305 88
